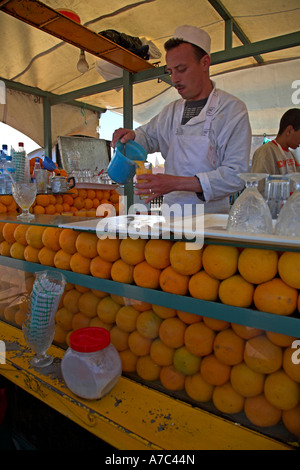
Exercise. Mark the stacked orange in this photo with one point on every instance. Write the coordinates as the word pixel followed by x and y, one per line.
pixel 79 202
pixel 234 367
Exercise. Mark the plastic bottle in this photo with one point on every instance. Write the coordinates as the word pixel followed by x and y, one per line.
pixel 3 173
pixel 9 166
pixel 91 366
pixel 38 177
pixel 21 164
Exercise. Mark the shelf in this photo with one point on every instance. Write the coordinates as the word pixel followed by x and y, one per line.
pixel 132 415
pixel 47 19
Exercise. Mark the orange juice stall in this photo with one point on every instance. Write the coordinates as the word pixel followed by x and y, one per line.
pixel 207 338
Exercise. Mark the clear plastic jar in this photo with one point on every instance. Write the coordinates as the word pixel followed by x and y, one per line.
pixel 91 366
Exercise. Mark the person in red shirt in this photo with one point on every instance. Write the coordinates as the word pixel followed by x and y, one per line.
pixel 275 157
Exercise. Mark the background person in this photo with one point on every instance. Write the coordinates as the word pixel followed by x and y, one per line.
pixel 204 136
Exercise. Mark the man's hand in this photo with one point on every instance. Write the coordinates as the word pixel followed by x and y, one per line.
pixel 123 135
pixel 160 184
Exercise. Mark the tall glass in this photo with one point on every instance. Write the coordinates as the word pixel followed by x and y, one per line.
pixel 39 325
pixel 250 212
pixel 24 195
pixel 141 169
pixel 288 221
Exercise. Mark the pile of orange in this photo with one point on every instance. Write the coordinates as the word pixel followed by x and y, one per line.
pixel 79 202
pixel 236 368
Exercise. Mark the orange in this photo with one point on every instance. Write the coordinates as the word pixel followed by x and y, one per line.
pixel 106 194
pixel 291 364
pixel 70 300
pixel 197 389
pixel 229 347
pixel 171 332
pixel 78 202
pixel 122 272
pixel 3 208
pixel 281 391
pixel 227 400
pixel 146 276
pixel 67 199
pixel 31 254
pixel 20 234
pixel 42 200
pixel 199 339
pixel 80 264
pixel 67 240
pixel 157 253
pixel 62 260
pixel 164 312
pixel 171 378
pixel 126 318
pixel 8 231
pixel 291 420
pixel 100 268
pixel 236 291
pixel 186 362
pixel 52 199
pixel 276 296
pixel 64 318
pixel 96 203
pixel 86 244
pixel 148 323
pixel 1 227
pixel 119 338
pixel 107 309
pixel 50 209
pixel 174 282
pixel 88 203
pixel 58 208
pixel 99 194
pixel 138 344
pixel 17 250
pixel 80 320
pixel 95 321
pixel 34 236
pixel 128 360
pixel 39 209
pixel 188 318
pixel 132 251
pixel 261 355
pixel 213 371
pixel 139 305
pixel 220 262
pixel 280 339
pixel 81 289
pixel 7 199
pixel 257 266
pixel 160 353
pixel 46 256
pixel 88 303
pixel 109 248
pixel 99 293
pixel 50 238
pixel 185 259
pixel 114 198
pixel 82 193
pixel 216 325
pixel 246 381
pixel 260 412
pixel 12 207
pixel 289 268
pixel 245 332
pixel 59 334
pixel 203 286
pixel 147 369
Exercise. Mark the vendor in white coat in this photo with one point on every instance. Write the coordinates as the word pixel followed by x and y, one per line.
pixel 204 137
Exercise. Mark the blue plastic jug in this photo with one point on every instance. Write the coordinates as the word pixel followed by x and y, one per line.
pixel 122 167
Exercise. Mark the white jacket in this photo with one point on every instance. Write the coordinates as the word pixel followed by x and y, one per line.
pixel 217 162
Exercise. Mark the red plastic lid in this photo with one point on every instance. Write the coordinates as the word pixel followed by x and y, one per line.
pixel 89 339
pixel 70 14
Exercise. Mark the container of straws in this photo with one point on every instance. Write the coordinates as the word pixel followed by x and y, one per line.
pixel 39 325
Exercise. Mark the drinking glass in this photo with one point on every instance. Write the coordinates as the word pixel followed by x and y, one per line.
pixel 250 212
pixel 277 192
pixel 288 221
pixel 141 169
pixel 39 325
pixel 24 194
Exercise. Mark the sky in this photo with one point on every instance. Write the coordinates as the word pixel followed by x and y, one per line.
pixel 109 123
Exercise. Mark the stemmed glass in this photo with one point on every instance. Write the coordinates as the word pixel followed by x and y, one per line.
pixel 250 212
pixel 288 221
pixel 39 325
pixel 24 194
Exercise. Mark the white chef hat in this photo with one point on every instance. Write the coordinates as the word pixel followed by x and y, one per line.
pixel 194 35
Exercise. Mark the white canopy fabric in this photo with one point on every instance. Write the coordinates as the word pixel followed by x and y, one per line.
pixel 37 59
